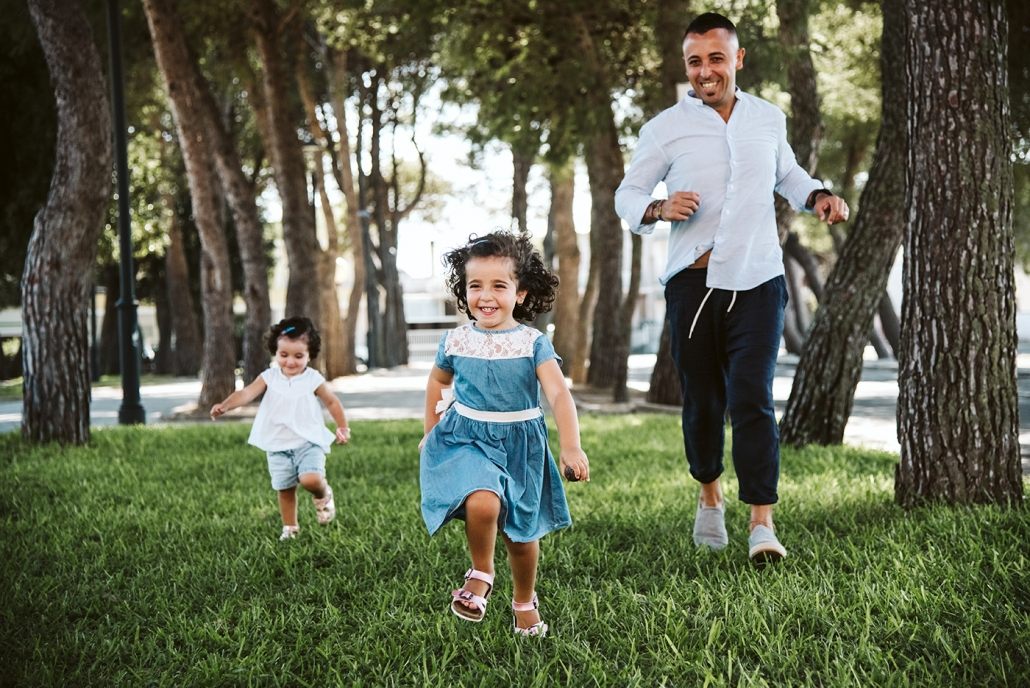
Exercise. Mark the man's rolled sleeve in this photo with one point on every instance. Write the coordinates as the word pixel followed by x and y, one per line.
pixel 648 167
pixel 792 181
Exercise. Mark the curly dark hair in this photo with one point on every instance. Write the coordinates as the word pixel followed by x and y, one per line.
pixel 297 327
pixel 530 273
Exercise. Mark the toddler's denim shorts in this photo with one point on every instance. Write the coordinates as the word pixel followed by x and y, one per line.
pixel 285 466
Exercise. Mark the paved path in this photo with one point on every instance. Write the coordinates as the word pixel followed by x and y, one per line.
pixel 399 393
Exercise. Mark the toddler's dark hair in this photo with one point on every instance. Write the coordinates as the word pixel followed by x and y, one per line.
pixel 530 273
pixel 297 327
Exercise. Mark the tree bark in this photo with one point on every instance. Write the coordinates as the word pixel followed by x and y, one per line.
pixel 566 305
pixel 109 356
pixel 303 296
pixel 333 355
pixel 831 363
pixel 890 323
pixel 620 392
pixel 188 347
pixel 806 131
pixel 238 191
pixel 605 170
pixel 57 280
pixel 958 417
pixel 338 94
pixel 196 142
pixel 521 162
pixel 672 16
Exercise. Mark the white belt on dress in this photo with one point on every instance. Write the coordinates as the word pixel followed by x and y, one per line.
pixel 497 416
pixel 447 401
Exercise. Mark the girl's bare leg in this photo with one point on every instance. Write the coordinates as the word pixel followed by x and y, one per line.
pixel 482 509
pixel 314 483
pixel 524 557
pixel 288 505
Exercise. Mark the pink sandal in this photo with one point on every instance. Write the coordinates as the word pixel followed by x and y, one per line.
pixel 537 629
pixel 469 614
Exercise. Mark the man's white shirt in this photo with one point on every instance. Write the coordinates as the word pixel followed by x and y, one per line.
pixel 734 166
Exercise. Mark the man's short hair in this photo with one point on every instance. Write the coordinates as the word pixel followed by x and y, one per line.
pixel 708 21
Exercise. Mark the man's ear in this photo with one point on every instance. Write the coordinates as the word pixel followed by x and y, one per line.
pixel 740 58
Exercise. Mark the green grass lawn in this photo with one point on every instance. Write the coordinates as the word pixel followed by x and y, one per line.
pixel 151 558
pixel 10 390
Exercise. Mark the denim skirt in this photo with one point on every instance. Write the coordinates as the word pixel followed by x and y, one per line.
pixel 510 459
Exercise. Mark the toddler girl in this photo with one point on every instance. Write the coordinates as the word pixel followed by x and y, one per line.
pixel 485 458
pixel 289 425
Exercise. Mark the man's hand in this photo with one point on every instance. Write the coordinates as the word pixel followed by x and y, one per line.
pixel 680 205
pixel 831 209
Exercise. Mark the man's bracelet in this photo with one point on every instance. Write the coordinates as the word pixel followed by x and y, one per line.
pixel 653 213
pixel 814 196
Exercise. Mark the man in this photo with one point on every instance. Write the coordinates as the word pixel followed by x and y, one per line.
pixel 722 153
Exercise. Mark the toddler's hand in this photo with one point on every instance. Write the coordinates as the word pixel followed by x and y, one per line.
pixel 574 465
pixel 342 435
pixel 217 410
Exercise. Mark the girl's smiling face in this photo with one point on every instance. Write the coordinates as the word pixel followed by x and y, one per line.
pixel 492 292
pixel 292 355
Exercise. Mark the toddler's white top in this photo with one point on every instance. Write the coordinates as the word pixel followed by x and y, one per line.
pixel 290 414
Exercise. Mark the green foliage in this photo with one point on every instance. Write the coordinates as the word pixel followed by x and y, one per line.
pixel 150 558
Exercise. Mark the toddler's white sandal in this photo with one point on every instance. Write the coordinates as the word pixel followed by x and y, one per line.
pixel 289 532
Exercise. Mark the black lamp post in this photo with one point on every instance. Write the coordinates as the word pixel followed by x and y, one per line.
pixel 131 411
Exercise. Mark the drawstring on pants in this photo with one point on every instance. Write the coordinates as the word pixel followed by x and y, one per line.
pixel 705 299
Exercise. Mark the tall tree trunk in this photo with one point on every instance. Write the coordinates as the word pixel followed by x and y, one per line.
pixel 672 17
pixel 109 355
pixel 958 417
pixel 303 296
pixel 188 348
pixel 238 191
pixel 566 305
pixel 57 280
pixel 333 355
pixel 620 393
pixel 605 170
pixel 332 323
pixel 163 315
pixel 806 123
pixel 889 322
pixel 521 162
pixel 393 340
pixel 195 140
pixel 831 363
pixel 806 131
pixel 338 94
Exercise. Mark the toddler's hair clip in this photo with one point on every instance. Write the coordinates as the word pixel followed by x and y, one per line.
pixel 289 329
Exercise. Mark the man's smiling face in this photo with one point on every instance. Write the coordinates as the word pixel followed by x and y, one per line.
pixel 712 60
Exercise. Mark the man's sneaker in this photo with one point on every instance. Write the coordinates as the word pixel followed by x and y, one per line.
pixel 289 532
pixel 325 507
pixel 765 548
pixel 710 526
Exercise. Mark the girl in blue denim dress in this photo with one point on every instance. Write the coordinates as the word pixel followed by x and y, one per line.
pixel 485 458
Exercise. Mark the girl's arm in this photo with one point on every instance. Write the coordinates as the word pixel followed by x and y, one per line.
pixel 564 408
pixel 438 380
pixel 240 397
pixel 332 403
